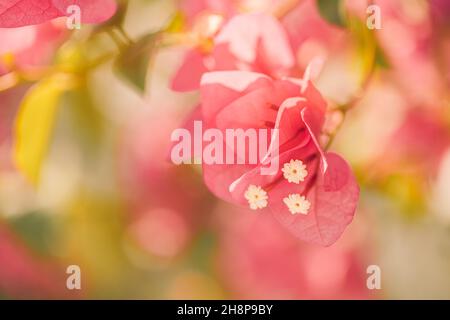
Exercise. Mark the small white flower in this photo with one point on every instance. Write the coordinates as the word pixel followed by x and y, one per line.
pixel 297 204
pixel 256 197
pixel 294 171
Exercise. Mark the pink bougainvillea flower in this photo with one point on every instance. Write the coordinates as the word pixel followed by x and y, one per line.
pixel 313 194
pixel 254 42
pixel 92 11
pixel 18 13
pixel 258 41
pixel 39 48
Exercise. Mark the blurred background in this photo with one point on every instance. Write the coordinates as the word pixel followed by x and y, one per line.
pixel 85 123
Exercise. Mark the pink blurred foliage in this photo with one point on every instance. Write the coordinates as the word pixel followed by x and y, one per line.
pixel 165 201
pixel 260 43
pixel 440 16
pixel 420 142
pixel 24 275
pixel 259 260
pixel 310 35
pixel 300 36
pixel 238 99
pixel 18 13
pixel 32 47
pixel 406 38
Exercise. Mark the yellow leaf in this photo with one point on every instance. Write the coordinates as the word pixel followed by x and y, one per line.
pixel 34 125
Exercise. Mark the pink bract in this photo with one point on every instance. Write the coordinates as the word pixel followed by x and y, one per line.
pixel 241 99
pixel 255 42
pixel 18 13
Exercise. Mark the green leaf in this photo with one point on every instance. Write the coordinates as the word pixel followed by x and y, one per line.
pixel 368 47
pixel 37 230
pixel 331 11
pixel 34 125
pixel 134 61
pixel 380 58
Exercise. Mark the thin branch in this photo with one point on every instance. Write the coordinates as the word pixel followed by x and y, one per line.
pixel 125 34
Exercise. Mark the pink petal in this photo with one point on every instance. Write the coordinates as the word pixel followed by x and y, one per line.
pixel 247 33
pixel 218 89
pixel 13 40
pixel 192 8
pixel 42 51
pixel 218 178
pixel 18 13
pixel 188 75
pixel 92 11
pixel 257 106
pixel 295 145
pixel 304 23
pixel 333 199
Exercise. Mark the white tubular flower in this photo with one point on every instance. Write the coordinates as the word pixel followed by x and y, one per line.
pixel 297 204
pixel 256 197
pixel 294 171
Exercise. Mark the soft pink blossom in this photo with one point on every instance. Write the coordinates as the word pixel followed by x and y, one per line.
pixel 244 100
pixel 254 42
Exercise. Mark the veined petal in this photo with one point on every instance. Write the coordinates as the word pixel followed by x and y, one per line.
pixel 333 198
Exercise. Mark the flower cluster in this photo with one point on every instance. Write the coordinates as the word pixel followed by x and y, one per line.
pixel 245 78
